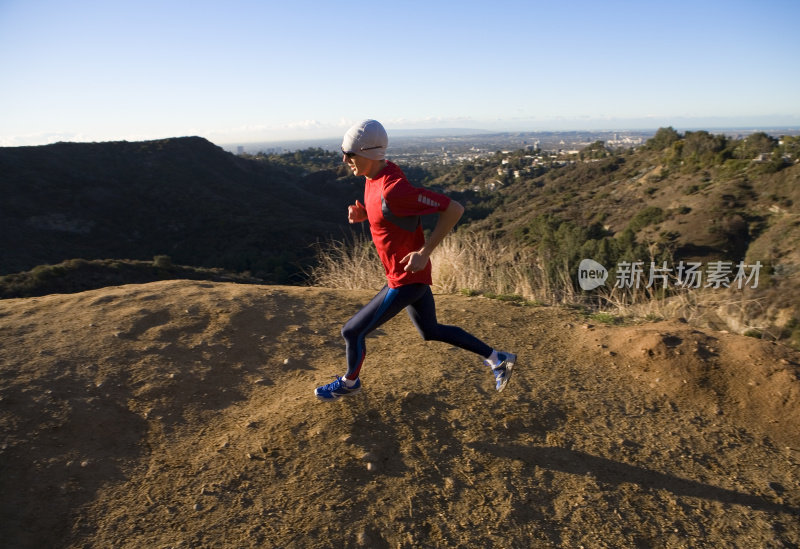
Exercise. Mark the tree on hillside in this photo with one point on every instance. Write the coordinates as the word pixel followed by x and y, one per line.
pixel 756 144
pixel 594 151
pixel 701 149
pixel 663 139
pixel 791 147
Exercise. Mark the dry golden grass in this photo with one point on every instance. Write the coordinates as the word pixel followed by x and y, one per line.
pixel 463 262
pixel 348 265
pixel 476 264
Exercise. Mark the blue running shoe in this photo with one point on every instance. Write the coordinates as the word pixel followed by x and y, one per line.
pixel 502 374
pixel 337 389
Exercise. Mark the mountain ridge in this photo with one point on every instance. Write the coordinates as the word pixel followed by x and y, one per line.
pixel 182 197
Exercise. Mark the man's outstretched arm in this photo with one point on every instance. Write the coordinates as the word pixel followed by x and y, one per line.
pixel 416 261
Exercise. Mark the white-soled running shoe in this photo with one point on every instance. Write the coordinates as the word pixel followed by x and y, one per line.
pixel 337 389
pixel 502 373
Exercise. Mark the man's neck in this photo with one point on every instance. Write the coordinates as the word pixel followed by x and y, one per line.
pixel 376 169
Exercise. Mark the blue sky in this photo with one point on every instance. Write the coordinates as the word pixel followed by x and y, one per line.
pixel 241 71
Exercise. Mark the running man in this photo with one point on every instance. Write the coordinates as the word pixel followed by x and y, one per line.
pixel 393 208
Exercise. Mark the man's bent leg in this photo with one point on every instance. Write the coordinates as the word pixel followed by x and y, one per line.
pixel 423 315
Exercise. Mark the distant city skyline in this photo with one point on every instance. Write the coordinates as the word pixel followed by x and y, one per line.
pixel 261 71
pixel 681 125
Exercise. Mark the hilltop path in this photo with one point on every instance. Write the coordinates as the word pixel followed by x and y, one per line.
pixel 181 414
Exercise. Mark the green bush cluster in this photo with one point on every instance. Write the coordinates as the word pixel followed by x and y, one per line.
pixel 78 275
pixel 563 244
pixel 697 150
pixel 650 215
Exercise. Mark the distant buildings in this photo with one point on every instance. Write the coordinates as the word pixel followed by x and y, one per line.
pixel 625 141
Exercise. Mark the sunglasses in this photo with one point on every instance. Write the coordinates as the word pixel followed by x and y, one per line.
pixel 352 154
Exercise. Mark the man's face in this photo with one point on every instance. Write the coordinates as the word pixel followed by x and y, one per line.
pixel 359 164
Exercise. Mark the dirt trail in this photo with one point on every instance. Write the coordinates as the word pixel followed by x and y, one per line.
pixel 181 414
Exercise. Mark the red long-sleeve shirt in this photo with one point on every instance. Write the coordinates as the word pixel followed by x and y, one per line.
pixel 394 207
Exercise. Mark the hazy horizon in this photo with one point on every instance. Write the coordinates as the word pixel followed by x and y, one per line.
pixel 332 139
pixel 458 131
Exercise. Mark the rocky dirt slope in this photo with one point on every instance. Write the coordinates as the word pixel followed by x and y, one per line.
pixel 181 414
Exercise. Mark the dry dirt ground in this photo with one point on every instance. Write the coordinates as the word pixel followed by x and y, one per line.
pixel 181 414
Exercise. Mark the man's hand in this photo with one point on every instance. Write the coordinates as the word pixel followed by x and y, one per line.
pixel 414 262
pixel 356 213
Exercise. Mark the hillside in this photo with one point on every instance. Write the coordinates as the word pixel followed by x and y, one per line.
pixel 719 211
pixel 181 414
pixel 693 197
pixel 184 198
pixel 696 198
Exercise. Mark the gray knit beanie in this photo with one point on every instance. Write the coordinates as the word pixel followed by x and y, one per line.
pixel 368 139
